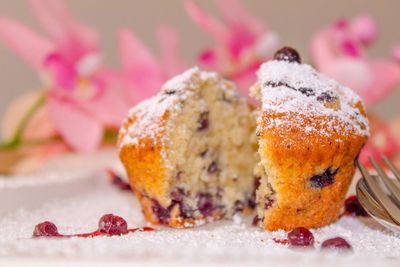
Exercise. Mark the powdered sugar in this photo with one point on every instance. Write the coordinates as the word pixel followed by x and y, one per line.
pixel 291 88
pixel 226 241
pixel 184 80
pixel 149 114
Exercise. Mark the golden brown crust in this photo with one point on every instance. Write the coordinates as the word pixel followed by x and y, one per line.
pixel 143 161
pixel 296 157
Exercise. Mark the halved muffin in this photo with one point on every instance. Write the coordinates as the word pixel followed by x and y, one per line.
pixel 187 151
pixel 310 132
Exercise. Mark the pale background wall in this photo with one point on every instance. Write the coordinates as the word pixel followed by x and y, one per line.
pixel 294 20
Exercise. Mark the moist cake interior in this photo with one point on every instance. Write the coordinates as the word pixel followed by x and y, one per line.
pixel 208 152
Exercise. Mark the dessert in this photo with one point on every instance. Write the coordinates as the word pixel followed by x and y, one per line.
pixel 310 131
pixel 188 151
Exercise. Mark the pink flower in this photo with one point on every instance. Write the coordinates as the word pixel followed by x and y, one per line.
pixel 339 51
pixel 141 73
pixel 241 42
pixel 39 137
pixel 396 53
pixel 82 99
pixel 15 114
pixel 383 140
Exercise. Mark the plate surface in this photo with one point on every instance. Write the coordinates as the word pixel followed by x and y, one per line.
pixel 75 201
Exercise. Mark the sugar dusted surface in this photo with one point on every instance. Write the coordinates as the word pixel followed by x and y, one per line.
pixel 150 111
pixel 227 241
pixel 285 100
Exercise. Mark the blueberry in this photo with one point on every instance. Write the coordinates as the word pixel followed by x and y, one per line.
pixel 205 204
pixel 212 168
pixel 177 195
pixel 239 206
pixel 287 54
pixel 203 122
pixel 324 179
pixel 269 201
pixel 162 213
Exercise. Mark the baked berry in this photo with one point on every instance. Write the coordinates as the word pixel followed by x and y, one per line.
pixel 301 237
pixel 336 243
pixel 177 195
pixel 204 153
pixel 353 206
pixel 255 221
pixel 113 225
pixel 252 200
pixel 239 206
pixel 287 54
pixel 45 229
pixel 162 213
pixel 170 92
pixel 306 91
pixel 257 182
pixel 202 122
pixel 268 203
pixel 323 179
pixel 326 97
pixel 212 168
pixel 205 204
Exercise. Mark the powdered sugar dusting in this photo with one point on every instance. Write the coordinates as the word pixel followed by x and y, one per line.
pixel 291 88
pixel 149 114
pixel 185 79
pixel 226 241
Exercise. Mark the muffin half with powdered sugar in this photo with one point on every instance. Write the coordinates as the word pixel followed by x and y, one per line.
pixel 310 132
pixel 187 151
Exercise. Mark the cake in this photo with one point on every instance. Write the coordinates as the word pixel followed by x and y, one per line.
pixel 310 130
pixel 188 151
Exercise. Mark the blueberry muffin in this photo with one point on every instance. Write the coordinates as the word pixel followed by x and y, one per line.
pixel 310 130
pixel 187 151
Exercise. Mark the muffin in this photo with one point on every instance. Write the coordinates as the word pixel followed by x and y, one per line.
pixel 187 151
pixel 310 130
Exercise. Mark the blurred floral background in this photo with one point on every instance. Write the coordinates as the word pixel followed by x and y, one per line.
pixel 71 69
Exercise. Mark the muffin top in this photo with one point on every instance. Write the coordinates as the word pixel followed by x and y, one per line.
pixel 296 95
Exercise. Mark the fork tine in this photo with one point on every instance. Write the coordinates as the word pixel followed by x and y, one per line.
pixel 374 208
pixel 368 201
pixel 361 167
pixel 391 166
pixel 392 187
pixel 381 196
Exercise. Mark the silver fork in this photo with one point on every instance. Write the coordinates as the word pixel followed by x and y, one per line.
pixel 380 195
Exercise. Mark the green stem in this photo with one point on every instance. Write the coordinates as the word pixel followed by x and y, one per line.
pixel 110 136
pixel 39 142
pixel 16 140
